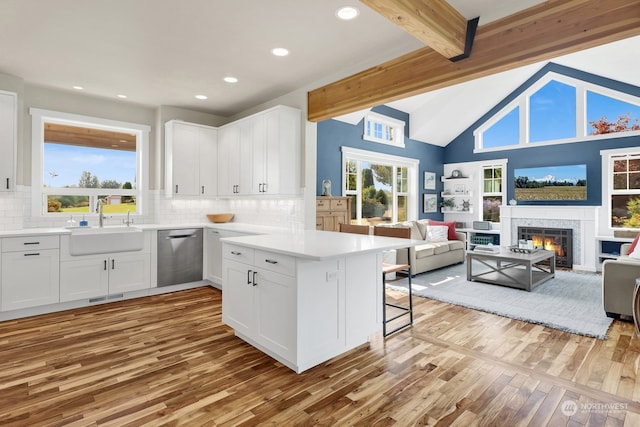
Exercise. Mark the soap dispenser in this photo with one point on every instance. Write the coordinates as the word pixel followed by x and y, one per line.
pixel 84 222
pixel 71 222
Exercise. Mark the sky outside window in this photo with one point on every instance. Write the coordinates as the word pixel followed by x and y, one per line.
pixel 552 112
pixel 64 164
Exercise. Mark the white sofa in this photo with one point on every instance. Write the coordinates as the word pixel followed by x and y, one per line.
pixel 430 255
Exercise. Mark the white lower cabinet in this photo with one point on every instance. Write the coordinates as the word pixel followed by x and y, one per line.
pixel 300 311
pixel 96 276
pixel 213 252
pixel 258 303
pixel 30 277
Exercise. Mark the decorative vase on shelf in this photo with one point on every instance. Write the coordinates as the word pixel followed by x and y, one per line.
pixel 326 187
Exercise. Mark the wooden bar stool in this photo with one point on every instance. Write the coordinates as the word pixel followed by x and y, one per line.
pixel 395 268
pixel 354 228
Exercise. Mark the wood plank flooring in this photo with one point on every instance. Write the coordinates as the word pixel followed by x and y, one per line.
pixel 168 360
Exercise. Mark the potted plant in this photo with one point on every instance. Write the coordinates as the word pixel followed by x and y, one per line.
pixel 447 204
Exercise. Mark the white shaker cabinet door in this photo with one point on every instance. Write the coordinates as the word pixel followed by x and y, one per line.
pixel 129 272
pixel 8 140
pixel 84 278
pixel 30 278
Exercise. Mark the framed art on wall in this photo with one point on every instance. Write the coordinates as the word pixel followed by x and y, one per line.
pixel 429 203
pixel 429 180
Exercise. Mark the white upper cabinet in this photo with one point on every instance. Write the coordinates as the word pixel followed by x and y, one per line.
pixel 260 154
pixel 8 139
pixel 191 159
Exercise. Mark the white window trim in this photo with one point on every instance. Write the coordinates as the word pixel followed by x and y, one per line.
pixel 581 114
pixel 607 186
pixel 40 117
pixel 413 166
pixel 397 125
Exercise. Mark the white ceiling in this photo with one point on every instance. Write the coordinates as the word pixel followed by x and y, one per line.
pixel 164 52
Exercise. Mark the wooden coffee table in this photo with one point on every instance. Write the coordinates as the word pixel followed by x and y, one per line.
pixel 516 270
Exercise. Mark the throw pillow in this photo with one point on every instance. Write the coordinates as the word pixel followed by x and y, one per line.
pixel 632 248
pixel 437 233
pixel 450 224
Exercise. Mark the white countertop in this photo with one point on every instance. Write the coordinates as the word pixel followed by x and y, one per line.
pixel 231 226
pixel 321 245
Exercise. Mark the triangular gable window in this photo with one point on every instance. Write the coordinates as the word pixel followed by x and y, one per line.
pixel 559 109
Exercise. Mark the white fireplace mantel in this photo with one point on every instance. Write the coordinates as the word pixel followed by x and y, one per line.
pixel 581 219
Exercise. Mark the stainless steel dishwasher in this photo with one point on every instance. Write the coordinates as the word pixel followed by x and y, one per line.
pixel 179 256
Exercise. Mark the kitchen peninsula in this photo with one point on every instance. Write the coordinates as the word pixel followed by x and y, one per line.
pixel 305 297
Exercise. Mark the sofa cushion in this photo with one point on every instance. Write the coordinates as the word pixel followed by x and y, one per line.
pixel 436 233
pixel 450 224
pixel 415 231
pixel 426 250
pixel 456 244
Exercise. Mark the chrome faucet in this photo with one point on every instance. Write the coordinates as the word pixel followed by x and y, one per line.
pixel 128 221
pixel 100 214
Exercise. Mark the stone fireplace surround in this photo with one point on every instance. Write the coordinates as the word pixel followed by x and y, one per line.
pixel 581 219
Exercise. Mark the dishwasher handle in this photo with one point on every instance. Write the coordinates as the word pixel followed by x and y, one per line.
pixel 181 236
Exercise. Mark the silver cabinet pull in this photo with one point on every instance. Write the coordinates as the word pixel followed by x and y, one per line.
pixel 105 265
pixel 113 264
pixel 203 189
pixel 7 183
pixel 248 277
pixel 31 243
pixel 270 261
pixel 236 253
pixel 255 281
pixel 33 254
pixel 176 188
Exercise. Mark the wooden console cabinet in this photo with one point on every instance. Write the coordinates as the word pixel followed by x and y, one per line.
pixel 331 212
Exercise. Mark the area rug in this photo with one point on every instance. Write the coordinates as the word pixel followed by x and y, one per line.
pixel 570 302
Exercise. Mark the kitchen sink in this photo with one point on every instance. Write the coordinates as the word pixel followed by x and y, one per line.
pixel 99 240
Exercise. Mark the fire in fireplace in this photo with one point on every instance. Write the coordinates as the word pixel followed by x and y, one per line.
pixel 559 240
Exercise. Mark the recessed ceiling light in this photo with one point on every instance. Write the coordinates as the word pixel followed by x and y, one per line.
pixel 115 145
pixel 347 13
pixel 201 96
pixel 78 87
pixel 122 96
pixel 280 51
pixel 230 79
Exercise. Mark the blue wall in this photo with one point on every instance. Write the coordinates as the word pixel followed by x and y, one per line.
pixel 588 152
pixel 333 134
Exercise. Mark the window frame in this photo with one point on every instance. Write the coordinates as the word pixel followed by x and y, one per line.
pixel 39 202
pixel 607 157
pixel 412 165
pixel 395 124
pixel 503 185
pixel 523 101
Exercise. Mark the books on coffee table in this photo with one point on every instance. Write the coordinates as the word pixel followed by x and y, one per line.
pixel 489 248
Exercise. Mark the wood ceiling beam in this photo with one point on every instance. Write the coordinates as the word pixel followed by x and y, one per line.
pixel 434 22
pixel 89 137
pixel 542 32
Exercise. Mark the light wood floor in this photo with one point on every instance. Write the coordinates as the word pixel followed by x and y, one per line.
pixel 168 360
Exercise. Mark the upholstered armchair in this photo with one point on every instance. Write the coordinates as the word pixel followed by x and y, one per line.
pixel 618 281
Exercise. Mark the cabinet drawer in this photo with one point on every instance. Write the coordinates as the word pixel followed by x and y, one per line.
pixel 30 243
pixel 338 205
pixel 323 205
pixel 237 253
pixel 278 263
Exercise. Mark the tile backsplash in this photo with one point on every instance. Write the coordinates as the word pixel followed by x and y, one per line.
pixel 15 211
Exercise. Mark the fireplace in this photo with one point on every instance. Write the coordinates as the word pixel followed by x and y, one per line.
pixel 559 240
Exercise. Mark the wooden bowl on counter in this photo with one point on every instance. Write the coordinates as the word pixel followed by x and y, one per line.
pixel 223 217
